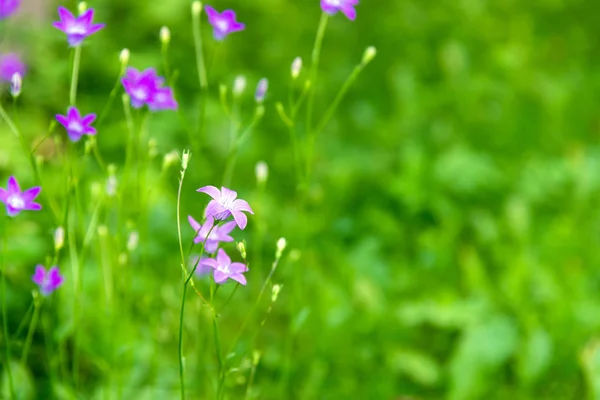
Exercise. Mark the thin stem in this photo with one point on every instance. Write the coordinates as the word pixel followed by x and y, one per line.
pixel 217 340
pixel 316 54
pixel 5 315
pixel 32 327
pixel 196 23
pixel 75 75
pixel 184 283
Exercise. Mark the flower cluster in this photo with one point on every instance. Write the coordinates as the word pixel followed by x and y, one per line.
pixel 146 88
pixel 224 204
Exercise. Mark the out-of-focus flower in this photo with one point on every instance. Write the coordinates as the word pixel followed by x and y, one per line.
pixel 11 64
pixel 211 236
pixel 48 281
pixel 76 28
pixel 239 85
pixel 8 7
pixel 17 201
pixel 224 269
pixel 224 23
pixel 346 6
pixel 226 203
pixel 261 170
pixel 59 238
pixel 296 67
pixel 145 88
pixel 76 125
pixel 261 90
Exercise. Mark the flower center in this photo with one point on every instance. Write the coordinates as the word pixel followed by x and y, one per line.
pixel 140 93
pixel 224 269
pixel 222 25
pixel 77 29
pixel 15 201
pixel 75 126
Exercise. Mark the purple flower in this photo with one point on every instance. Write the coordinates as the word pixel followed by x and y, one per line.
pixel 145 88
pixel 225 269
pixel 76 28
pixel 201 269
pixel 261 90
pixel 224 23
pixel 8 7
pixel 75 125
pixel 47 281
pixel 218 234
pixel 346 6
pixel 10 64
pixel 17 201
pixel 224 204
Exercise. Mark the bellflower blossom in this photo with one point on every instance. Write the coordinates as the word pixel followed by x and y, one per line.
pixel 331 7
pixel 8 7
pixel 145 88
pixel 225 269
pixel 10 64
pixel 76 28
pixel 76 125
pixel 226 203
pixel 217 234
pixel 48 281
pixel 17 201
pixel 224 23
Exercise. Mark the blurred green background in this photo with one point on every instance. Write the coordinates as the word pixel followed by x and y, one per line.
pixel 447 246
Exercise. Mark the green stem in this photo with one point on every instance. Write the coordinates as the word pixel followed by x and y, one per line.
pixel 5 315
pixel 184 282
pixel 75 76
pixel 217 340
pixel 316 53
pixel 196 23
pixel 32 327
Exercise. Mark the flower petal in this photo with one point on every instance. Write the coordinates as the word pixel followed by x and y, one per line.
pixel 211 191
pixel 3 195
pixel 242 205
pixel 211 262
pixel 239 278
pixel 55 278
pixel 222 258
pixel 240 219
pixel 32 207
pixel 39 275
pixel 195 225
pixel 213 208
pixel 211 246
pixel 31 194
pixel 237 268
pixel 220 277
pixel 65 15
pixel 88 119
pixel 13 185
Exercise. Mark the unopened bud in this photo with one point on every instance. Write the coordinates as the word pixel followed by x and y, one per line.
pixel 281 244
pixel 165 35
pixel 170 159
pixel 261 90
pixel 16 82
pixel 261 170
pixel 196 8
pixel 124 57
pixel 185 159
pixel 296 67
pixel 275 292
pixel 82 7
pixel 59 238
pixel 132 241
pixel 241 246
pixel 369 54
pixel 239 85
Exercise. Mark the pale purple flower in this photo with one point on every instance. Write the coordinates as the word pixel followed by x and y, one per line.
pixel 76 28
pixel 48 281
pixel 215 235
pixel 225 269
pixel 8 7
pixel 261 90
pixel 224 23
pixel 226 203
pixel 331 7
pixel 145 88
pixel 17 201
pixel 201 269
pixel 76 125
pixel 10 64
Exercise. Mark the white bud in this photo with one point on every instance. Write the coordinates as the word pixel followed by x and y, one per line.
pixel 82 7
pixel 16 82
pixel 132 241
pixel 369 54
pixel 261 170
pixel 196 8
pixel 165 35
pixel 185 159
pixel 281 244
pixel 296 67
pixel 124 57
pixel 275 292
pixel 59 238
pixel 239 85
pixel 241 246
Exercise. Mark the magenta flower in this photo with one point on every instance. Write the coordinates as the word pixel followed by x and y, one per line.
pixel 8 7
pixel 76 28
pixel 225 269
pixel 223 24
pixel 47 281
pixel 10 64
pixel 331 7
pixel 17 201
pixel 224 204
pixel 145 88
pixel 217 234
pixel 75 125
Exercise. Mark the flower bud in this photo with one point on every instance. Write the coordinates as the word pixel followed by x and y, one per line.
pixel 241 246
pixel 261 90
pixel 369 54
pixel 82 7
pixel 261 170
pixel 185 159
pixel 239 85
pixel 196 8
pixel 16 82
pixel 165 35
pixel 281 244
pixel 124 57
pixel 296 67
pixel 59 238
pixel 275 292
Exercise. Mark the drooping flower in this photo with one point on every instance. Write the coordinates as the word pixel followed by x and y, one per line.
pixel 145 88
pixel 331 7
pixel 48 281
pixel 8 7
pixel 76 28
pixel 224 23
pixel 10 64
pixel 261 90
pixel 226 203
pixel 225 269
pixel 17 201
pixel 76 125
pixel 210 235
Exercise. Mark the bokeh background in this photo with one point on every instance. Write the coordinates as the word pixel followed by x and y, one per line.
pixel 447 246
